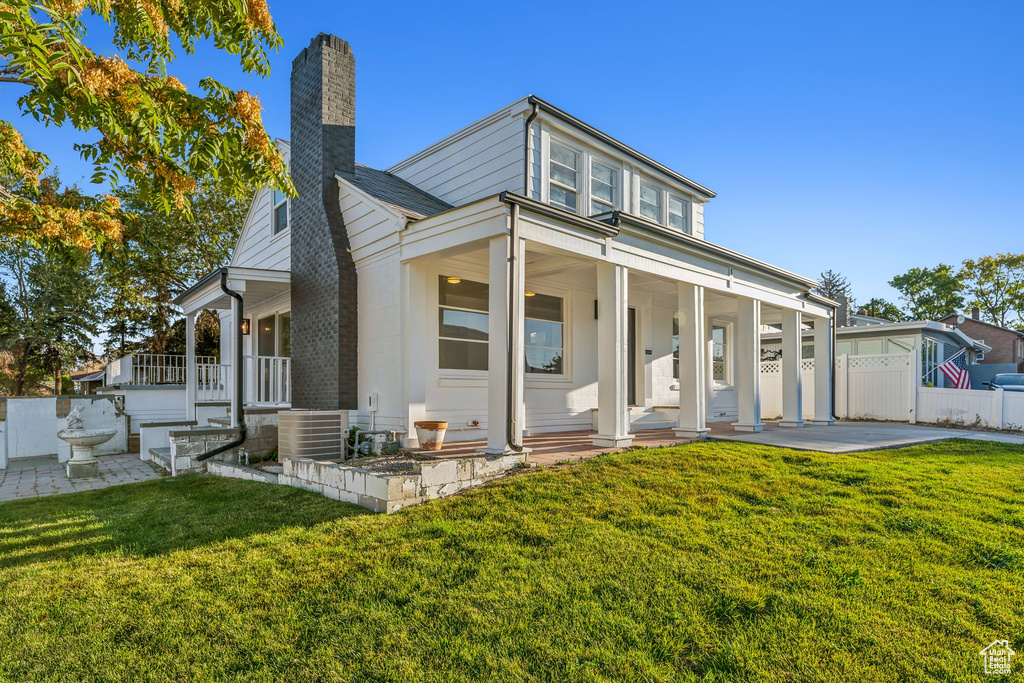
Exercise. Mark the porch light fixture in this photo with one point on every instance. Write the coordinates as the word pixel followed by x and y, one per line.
pixel 529 293
pixel 246 326
pixel 452 280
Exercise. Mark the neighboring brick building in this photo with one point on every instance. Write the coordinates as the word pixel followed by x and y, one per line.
pixel 1007 345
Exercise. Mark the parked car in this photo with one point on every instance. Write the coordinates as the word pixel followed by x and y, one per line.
pixel 1007 381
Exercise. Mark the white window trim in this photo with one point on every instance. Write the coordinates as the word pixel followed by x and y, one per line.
pixel 616 189
pixel 273 212
pixel 662 208
pixel 566 375
pixel 729 358
pixel 580 183
pixel 687 211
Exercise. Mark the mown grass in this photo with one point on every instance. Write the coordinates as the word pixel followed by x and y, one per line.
pixel 707 561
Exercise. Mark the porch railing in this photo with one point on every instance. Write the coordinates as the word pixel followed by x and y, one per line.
pixel 150 368
pixel 213 382
pixel 270 379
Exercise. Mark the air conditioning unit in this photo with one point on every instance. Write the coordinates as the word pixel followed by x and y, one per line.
pixel 318 434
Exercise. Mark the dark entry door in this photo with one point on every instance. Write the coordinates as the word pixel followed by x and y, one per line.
pixel 631 358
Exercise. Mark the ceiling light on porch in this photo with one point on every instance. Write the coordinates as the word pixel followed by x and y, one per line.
pixel 529 293
pixel 452 280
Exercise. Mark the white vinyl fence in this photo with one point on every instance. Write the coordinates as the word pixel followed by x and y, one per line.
pixel 888 387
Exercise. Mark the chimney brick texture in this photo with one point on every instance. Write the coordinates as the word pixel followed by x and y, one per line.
pixel 324 288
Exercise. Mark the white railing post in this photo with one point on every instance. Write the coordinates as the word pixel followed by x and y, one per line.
pixel 997 408
pixel 914 382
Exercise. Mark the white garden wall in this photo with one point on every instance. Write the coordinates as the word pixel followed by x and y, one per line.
pixel 30 425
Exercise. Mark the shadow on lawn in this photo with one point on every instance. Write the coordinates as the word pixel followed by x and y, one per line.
pixel 155 517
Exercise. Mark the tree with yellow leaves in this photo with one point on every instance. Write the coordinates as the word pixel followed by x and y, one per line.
pixel 153 133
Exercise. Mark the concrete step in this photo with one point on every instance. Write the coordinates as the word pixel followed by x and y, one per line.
pixel 219 422
pixel 162 457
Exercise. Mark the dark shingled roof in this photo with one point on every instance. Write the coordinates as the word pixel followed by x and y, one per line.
pixel 400 195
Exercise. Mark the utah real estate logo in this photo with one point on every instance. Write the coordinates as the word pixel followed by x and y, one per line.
pixel 997 657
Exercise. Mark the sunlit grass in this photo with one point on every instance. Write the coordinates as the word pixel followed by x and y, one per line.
pixel 712 561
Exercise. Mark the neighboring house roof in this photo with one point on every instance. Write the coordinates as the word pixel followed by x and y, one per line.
pixel 400 195
pixel 87 376
pixel 911 326
pixel 953 317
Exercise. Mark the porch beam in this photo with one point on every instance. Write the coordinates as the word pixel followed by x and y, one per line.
pixel 691 423
pixel 748 365
pixel 792 376
pixel 612 356
pixel 502 312
pixel 823 363
pixel 190 366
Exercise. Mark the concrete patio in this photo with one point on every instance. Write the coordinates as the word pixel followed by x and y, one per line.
pixel 44 476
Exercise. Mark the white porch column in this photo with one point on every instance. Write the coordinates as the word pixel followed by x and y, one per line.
pixel 236 323
pixel 748 366
pixel 190 366
pixel 692 351
pixel 612 361
pixel 792 382
pixel 823 363
pixel 414 332
pixel 499 351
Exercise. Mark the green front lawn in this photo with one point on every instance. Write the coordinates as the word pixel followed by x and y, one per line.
pixel 717 561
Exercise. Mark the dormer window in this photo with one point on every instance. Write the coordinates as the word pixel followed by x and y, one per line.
pixel 677 213
pixel 650 201
pixel 564 184
pixel 604 191
pixel 280 211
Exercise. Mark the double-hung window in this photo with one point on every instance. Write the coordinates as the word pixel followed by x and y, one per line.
pixel 462 326
pixel 564 177
pixel 544 334
pixel 280 211
pixel 604 192
pixel 677 213
pixel 650 201
pixel 719 354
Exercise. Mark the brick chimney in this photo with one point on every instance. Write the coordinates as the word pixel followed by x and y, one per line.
pixel 324 315
pixel 975 313
pixel 843 312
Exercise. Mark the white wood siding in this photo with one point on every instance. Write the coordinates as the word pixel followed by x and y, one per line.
pixel 258 246
pixel 479 161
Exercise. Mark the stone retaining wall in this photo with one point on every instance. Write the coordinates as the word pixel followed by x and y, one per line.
pixel 383 492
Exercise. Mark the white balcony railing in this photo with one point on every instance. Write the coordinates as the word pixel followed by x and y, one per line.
pixel 150 368
pixel 269 379
pixel 213 382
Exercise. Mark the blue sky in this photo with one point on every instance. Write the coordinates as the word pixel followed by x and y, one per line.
pixel 866 137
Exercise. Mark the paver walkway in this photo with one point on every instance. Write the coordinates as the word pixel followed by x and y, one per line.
pixel 30 477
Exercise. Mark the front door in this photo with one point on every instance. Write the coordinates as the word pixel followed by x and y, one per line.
pixel 631 358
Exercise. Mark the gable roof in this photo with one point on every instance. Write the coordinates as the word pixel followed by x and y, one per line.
pixel 400 195
pixel 953 316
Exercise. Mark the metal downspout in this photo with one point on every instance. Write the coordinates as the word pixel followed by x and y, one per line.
pixel 239 372
pixel 511 438
pixel 832 369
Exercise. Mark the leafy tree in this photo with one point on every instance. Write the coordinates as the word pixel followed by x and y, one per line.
pixel 995 284
pixel 53 298
pixel 152 133
pixel 832 285
pixel 880 308
pixel 162 254
pixel 929 293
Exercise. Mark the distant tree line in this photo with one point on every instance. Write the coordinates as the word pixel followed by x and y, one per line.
pixel 994 284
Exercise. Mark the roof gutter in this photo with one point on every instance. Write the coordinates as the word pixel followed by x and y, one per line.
pixel 565 117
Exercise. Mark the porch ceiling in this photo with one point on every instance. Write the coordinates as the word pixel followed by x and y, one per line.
pixel 255 285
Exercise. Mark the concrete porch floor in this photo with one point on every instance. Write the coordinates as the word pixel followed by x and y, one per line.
pixel 842 437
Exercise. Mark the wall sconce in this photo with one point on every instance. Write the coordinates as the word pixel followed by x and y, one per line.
pixel 452 280
pixel 246 326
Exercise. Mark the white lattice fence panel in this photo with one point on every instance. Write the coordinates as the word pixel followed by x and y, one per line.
pixel 874 387
pixel 771 389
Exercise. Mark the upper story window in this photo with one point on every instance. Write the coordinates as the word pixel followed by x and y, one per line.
pixel 979 355
pixel 280 211
pixel 677 213
pixel 604 191
pixel 564 177
pixel 650 201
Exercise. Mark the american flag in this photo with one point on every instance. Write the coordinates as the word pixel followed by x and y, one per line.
pixel 955 370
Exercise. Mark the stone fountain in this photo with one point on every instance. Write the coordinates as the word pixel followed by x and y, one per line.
pixel 83 463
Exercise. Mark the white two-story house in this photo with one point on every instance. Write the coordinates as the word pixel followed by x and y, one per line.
pixel 527 274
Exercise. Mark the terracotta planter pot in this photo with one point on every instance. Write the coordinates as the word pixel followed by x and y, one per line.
pixel 431 434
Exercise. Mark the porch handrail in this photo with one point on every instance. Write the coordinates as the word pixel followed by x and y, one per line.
pixel 270 379
pixel 213 381
pixel 151 368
